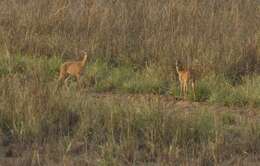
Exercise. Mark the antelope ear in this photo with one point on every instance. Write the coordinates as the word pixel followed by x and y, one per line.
pixel 84 52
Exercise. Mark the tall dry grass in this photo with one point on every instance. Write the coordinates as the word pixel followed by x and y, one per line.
pixel 40 127
pixel 208 34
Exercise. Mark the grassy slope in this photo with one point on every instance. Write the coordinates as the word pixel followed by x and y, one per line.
pixel 100 76
pixel 73 127
pixel 119 130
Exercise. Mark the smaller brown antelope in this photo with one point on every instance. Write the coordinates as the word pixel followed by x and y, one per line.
pixel 185 76
pixel 74 68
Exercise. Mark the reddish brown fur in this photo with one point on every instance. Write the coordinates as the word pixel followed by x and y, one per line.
pixel 185 76
pixel 75 69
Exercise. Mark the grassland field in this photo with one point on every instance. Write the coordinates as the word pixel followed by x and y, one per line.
pixel 128 109
pixel 123 116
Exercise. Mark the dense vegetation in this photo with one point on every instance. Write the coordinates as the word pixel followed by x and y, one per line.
pixel 39 126
pixel 121 115
pixel 209 34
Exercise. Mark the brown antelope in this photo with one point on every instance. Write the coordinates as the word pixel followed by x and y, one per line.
pixel 74 68
pixel 185 76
